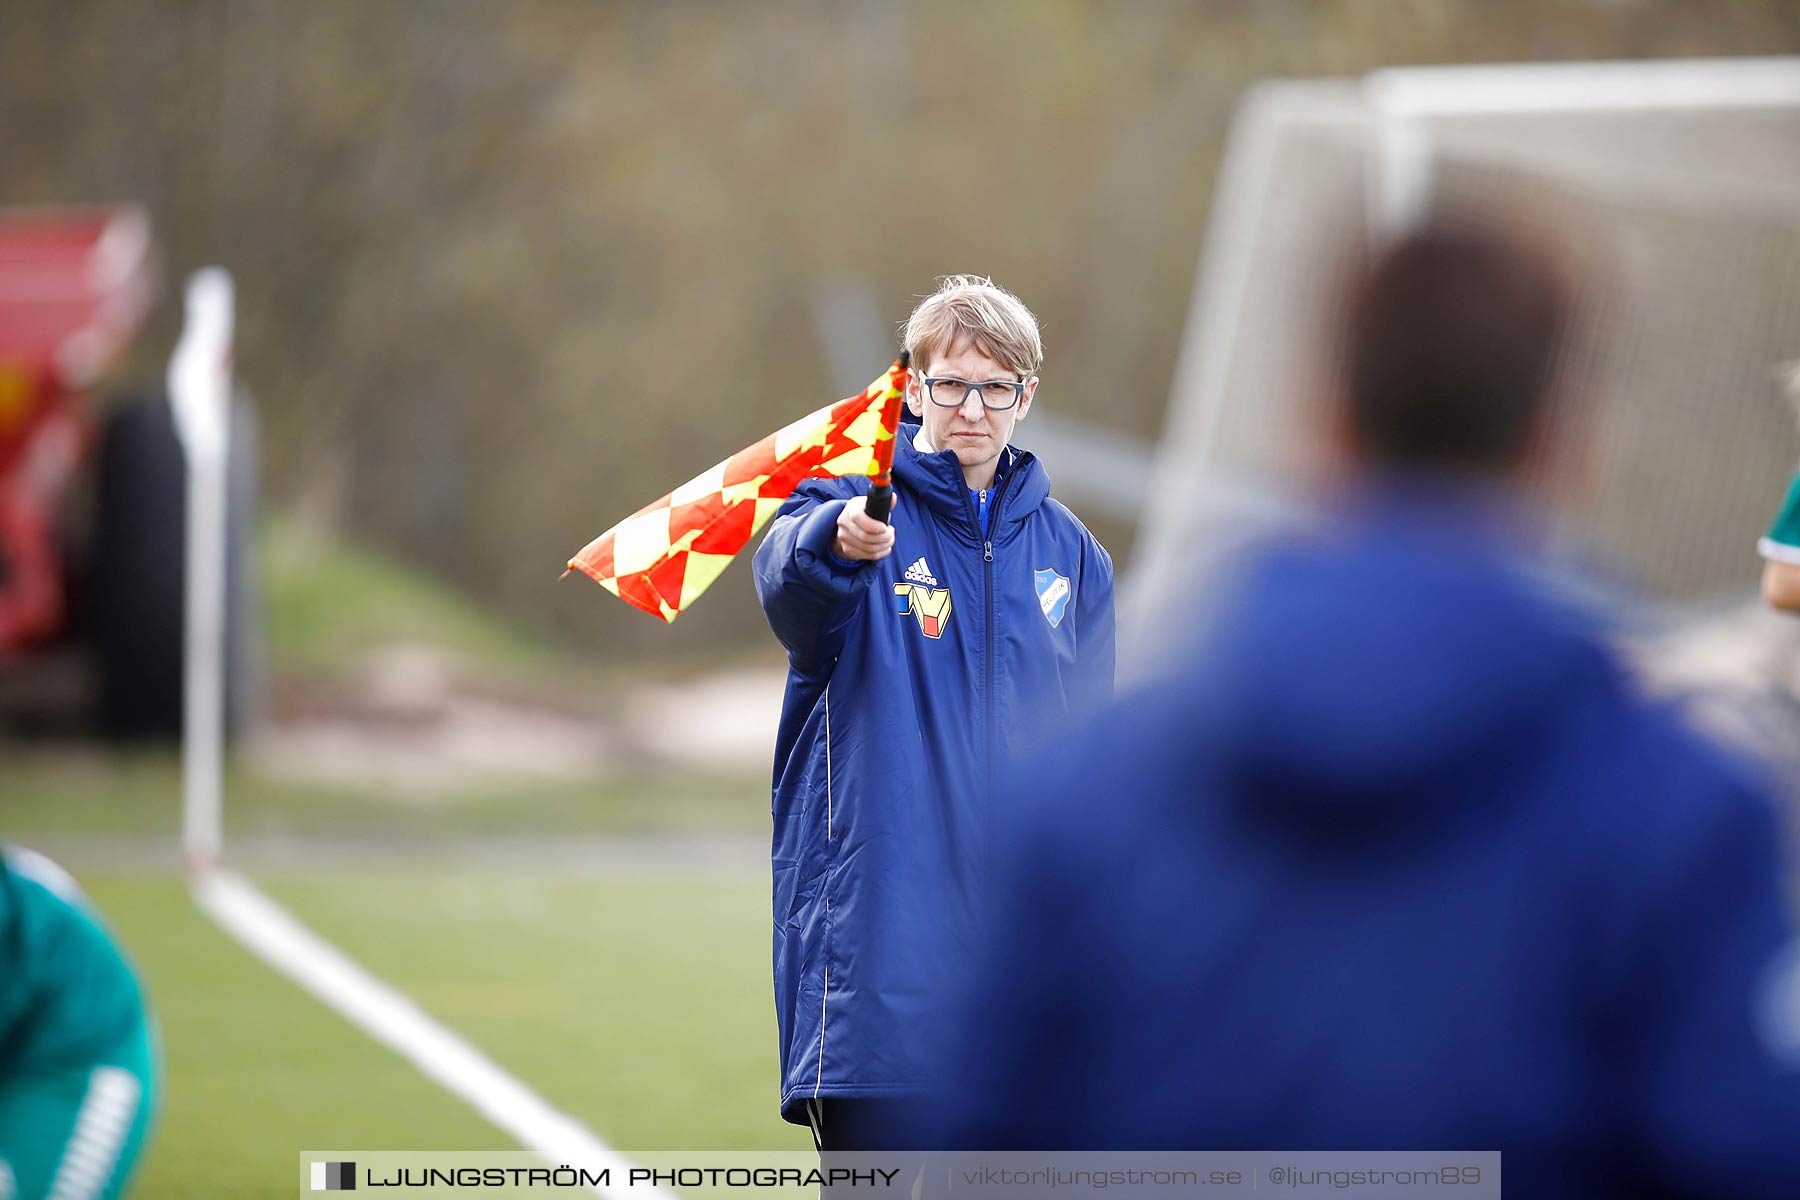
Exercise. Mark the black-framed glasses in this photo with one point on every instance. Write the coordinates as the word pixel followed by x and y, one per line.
pixel 997 395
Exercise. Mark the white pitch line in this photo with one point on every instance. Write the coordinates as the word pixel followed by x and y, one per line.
pixel 275 936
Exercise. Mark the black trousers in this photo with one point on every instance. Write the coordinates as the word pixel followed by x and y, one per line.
pixel 852 1125
pixel 855 1123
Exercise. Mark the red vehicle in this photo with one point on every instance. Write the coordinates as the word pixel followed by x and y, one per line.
pixel 91 493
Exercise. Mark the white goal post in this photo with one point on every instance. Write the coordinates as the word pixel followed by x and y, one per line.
pixel 200 389
pixel 199 385
pixel 1674 189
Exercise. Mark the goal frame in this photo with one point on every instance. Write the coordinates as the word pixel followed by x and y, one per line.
pixel 1390 110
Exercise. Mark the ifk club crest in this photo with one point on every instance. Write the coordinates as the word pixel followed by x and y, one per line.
pixel 1053 592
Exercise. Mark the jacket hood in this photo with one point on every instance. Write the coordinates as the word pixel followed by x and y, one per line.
pixel 1353 672
pixel 938 480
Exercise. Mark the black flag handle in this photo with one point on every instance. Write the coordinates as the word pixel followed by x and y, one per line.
pixel 881 501
pixel 881 489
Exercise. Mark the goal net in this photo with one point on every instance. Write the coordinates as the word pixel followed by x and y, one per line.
pixel 1673 189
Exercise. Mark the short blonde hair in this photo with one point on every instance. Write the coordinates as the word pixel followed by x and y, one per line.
pixel 975 309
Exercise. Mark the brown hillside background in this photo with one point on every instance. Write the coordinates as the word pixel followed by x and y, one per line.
pixel 507 271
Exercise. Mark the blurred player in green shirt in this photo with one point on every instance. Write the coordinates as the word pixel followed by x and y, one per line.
pixel 78 1056
pixel 1780 548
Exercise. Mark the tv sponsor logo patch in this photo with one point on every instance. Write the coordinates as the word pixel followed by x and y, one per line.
pixel 928 605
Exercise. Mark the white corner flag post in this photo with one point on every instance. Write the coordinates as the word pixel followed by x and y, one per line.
pixel 199 382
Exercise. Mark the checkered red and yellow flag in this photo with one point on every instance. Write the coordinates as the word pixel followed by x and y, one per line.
pixel 664 555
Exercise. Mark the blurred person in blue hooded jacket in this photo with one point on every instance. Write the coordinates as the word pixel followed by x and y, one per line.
pixel 1400 861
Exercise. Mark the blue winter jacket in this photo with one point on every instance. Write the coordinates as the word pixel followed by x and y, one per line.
pixel 909 680
pixel 1400 862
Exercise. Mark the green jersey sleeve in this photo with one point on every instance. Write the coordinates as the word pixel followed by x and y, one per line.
pixel 67 993
pixel 1782 542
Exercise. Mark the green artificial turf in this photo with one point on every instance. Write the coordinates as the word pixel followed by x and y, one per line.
pixel 61 792
pixel 639 1006
pixel 256 1070
pixel 642 1006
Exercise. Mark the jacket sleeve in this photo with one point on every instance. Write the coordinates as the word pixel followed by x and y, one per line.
pixel 1709 1011
pixel 1095 632
pixel 808 593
